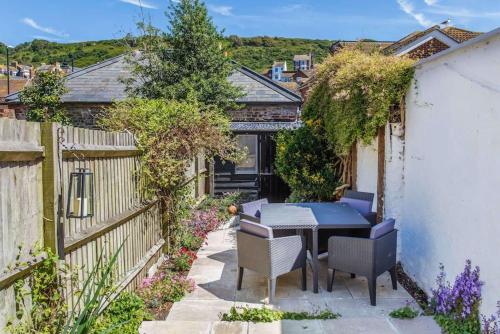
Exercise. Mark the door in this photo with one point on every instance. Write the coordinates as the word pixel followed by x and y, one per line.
pixel 250 165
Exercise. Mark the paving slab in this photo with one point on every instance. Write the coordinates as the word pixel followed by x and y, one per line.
pixel 286 326
pixel 175 327
pixel 362 325
pixel 229 328
pixel 199 310
pixel 419 325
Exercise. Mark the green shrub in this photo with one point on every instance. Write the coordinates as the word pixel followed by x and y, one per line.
pixel 454 325
pixel 306 163
pixel 123 316
pixel 404 313
pixel 265 314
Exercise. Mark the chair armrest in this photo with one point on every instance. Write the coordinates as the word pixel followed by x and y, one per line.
pixel 287 254
pixel 244 216
pixel 353 255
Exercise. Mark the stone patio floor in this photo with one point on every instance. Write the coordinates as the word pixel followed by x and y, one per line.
pixel 215 273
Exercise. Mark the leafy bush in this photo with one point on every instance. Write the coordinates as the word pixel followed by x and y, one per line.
pixel 404 313
pixel 183 260
pixel 164 287
pixel 306 163
pixel 265 314
pixel 123 316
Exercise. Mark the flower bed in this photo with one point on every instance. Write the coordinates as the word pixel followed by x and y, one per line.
pixel 170 283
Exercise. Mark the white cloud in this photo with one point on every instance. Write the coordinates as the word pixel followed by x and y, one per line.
pixel 461 12
pixel 221 10
pixel 409 9
pixel 32 23
pixel 431 2
pixel 140 3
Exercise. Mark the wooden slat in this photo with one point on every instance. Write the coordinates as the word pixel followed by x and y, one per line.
pixel 82 151
pixel 11 277
pixel 19 153
pixel 95 232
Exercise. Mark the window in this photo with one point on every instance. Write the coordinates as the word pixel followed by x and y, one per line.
pixel 250 164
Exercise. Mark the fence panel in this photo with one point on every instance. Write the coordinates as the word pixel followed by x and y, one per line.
pixel 35 166
pixel 21 209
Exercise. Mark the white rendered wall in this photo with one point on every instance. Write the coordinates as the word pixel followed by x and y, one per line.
pixel 394 168
pixel 367 167
pixel 451 204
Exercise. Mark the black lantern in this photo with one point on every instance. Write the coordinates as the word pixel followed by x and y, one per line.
pixel 81 194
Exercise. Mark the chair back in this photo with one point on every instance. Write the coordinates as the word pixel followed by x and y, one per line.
pixel 255 229
pixel 382 229
pixel 363 207
pixel 253 208
pixel 359 195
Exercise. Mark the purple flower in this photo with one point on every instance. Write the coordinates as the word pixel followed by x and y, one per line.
pixel 463 299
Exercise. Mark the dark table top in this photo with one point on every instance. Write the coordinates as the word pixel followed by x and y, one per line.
pixel 311 215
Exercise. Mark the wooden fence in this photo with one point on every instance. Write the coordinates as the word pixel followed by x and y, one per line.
pixel 35 165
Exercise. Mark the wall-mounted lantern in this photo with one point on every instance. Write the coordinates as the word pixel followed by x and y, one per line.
pixel 81 194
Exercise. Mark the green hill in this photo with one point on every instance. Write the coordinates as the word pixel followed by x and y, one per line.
pixel 257 53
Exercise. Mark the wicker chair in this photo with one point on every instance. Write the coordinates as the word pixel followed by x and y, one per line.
pixel 366 257
pixel 251 211
pixel 268 256
pixel 357 200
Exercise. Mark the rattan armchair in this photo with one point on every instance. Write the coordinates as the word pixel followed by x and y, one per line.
pixel 271 257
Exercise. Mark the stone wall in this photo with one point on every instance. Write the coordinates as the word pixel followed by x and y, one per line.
pixel 83 115
pixel 266 113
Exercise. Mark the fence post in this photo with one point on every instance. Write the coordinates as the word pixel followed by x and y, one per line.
pixel 211 178
pixel 51 185
pixel 197 178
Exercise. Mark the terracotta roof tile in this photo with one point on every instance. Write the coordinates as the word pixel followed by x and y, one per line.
pixel 460 35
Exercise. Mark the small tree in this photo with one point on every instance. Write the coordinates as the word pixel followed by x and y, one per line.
pixel 43 98
pixel 186 63
pixel 171 135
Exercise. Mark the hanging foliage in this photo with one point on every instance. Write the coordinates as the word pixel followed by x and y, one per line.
pixel 354 94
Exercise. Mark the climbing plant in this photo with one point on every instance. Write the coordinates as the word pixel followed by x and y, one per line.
pixel 355 94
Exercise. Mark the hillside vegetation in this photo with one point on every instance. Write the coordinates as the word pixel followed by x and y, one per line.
pixel 257 53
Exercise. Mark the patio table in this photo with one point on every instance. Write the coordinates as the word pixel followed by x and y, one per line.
pixel 312 216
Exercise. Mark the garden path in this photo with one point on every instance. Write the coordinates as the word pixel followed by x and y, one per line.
pixel 215 274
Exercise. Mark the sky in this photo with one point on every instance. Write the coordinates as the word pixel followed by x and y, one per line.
pixel 83 20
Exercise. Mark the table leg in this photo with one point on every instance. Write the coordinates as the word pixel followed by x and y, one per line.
pixel 315 262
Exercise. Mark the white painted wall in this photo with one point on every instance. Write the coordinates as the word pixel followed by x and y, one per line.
pixel 394 168
pixel 367 167
pixel 451 203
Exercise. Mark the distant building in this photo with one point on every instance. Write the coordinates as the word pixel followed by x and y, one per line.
pixel 63 68
pixel 277 70
pixel 303 62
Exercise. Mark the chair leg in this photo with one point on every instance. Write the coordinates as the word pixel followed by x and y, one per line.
pixel 331 277
pixel 394 278
pixel 271 288
pixel 372 289
pixel 240 277
pixel 304 277
pixel 353 275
